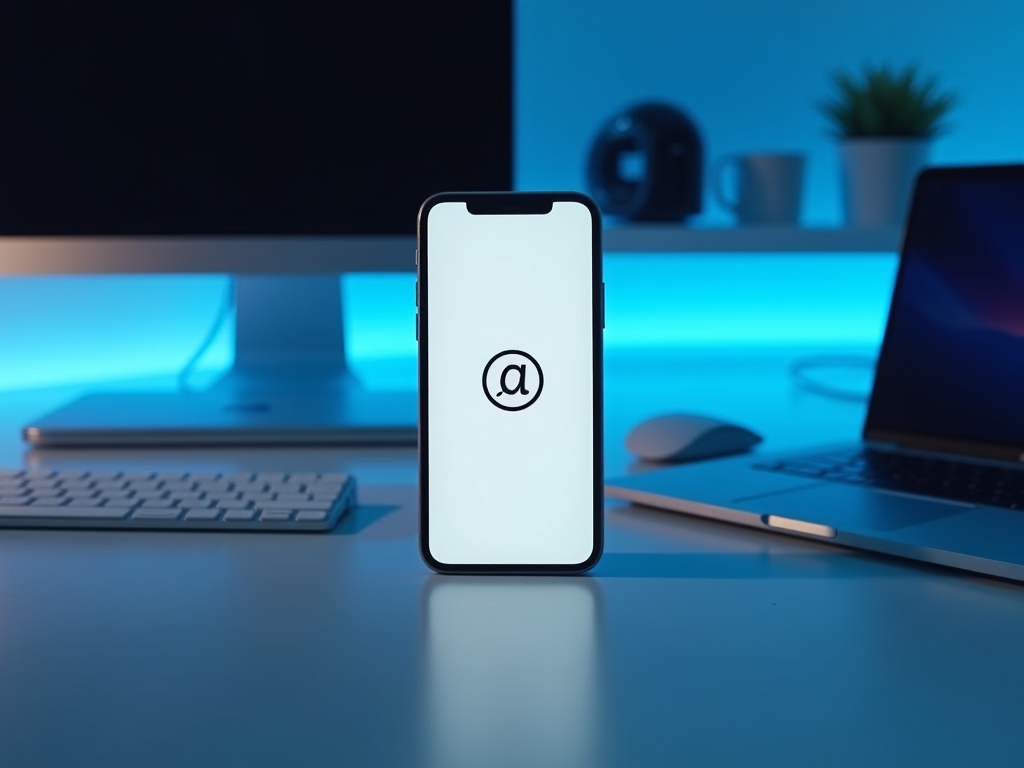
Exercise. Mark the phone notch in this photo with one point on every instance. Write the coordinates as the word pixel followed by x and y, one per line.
pixel 498 204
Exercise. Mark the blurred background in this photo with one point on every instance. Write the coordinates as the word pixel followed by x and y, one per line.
pixel 748 73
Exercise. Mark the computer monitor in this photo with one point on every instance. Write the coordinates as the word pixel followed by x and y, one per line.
pixel 283 142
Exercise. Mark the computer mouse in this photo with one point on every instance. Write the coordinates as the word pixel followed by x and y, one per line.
pixel 677 437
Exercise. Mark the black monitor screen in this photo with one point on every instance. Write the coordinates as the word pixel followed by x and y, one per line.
pixel 215 117
pixel 952 364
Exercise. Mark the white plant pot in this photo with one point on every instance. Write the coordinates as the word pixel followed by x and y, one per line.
pixel 878 178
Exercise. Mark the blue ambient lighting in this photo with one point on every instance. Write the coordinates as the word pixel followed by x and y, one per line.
pixel 693 300
pixel 738 300
pixel 80 330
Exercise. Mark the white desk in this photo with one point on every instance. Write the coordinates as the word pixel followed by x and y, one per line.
pixel 692 643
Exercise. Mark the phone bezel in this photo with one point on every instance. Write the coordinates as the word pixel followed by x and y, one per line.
pixel 510 203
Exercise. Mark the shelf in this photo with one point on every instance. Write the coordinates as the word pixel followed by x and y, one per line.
pixel 674 238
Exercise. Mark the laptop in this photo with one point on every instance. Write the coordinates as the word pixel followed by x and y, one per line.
pixel 938 475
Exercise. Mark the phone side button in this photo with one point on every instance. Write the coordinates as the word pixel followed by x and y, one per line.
pixel 417 293
pixel 602 304
pixel 417 326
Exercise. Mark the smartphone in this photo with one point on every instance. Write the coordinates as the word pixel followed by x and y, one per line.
pixel 510 323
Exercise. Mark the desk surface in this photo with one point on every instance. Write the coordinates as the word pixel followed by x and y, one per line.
pixel 692 642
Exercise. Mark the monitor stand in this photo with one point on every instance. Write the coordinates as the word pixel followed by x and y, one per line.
pixel 289 384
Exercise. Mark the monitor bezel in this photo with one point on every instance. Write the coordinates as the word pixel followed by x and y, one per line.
pixel 239 255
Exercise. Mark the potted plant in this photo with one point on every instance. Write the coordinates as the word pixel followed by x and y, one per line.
pixel 885 120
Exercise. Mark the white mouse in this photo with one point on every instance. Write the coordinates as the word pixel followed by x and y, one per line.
pixel 685 437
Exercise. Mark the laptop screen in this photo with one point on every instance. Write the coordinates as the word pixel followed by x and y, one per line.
pixel 951 372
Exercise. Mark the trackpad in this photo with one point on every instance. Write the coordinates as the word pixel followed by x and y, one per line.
pixel 851 507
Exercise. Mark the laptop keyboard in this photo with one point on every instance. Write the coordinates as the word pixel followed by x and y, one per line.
pixel 211 501
pixel 959 481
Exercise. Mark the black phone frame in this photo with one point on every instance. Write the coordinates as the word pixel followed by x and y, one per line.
pixel 510 203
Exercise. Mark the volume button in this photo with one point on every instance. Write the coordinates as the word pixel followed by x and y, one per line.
pixel 417 326
pixel 417 293
pixel 602 304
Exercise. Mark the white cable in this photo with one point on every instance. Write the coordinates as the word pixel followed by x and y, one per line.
pixel 800 368
pixel 227 306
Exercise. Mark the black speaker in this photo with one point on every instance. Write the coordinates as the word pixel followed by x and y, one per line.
pixel 647 164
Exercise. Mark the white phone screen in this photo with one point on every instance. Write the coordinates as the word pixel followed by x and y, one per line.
pixel 510 386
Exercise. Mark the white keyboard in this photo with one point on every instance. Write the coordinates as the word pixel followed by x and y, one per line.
pixel 208 501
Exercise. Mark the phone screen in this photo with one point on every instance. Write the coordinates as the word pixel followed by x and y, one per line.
pixel 511 411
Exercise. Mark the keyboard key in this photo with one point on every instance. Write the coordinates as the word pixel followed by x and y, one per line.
pixel 310 516
pixel 150 495
pixel 239 514
pixel 223 496
pixel 187 499
pixel 201 514
pixel 81 513
pixel 275 510
pixel 77 485
pixel 233 504
pixel 275 516
pixel 214 493
pixel 41 484
pixel 14 501
pixel 294 497
pixel 325 505
pixel 146 513
pixel 110 485
pixel 323 488
pixel 256 498
pixel 194 503
pixel 157 503
pixel 246 488
pixel 178 486
pixel 47 501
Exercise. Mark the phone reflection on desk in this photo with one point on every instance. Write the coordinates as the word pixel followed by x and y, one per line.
pixel 511 671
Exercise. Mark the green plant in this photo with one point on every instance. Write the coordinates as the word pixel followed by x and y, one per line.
pixel 884 102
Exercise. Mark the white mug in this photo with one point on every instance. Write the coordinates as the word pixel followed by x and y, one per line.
pixel 769 187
